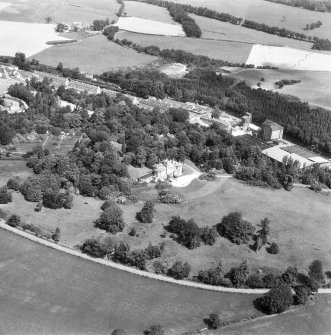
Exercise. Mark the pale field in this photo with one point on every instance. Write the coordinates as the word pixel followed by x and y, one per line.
pixel 146 26
pixel 5 83
pixel 215 29
pixel 270 14
pixel 93 55
pixel 314 88
pixel 230 51
pixel 84 11
pixel 288 58
pixel 147 11
pixel 29 38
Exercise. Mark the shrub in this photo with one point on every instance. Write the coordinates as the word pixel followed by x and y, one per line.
pixel 273 249
pixel 302 294
pixel 235 228
pixel 154 330
pixel 93 248
pixel 316 270
pixel 269 280
pixel 239 275
pixel 146 215
pixel 159 268
pixel 13 184
pixel 278 299
pixel 255 281
pixel 167 197
pixel 209 235
pixel 14 220
pixel 105 193
pixel 133 232
pixel 119 332
pixel 179 270
pixel 31 190
pixel 5 196
pixel 212 276
pixel 107 204
pixel 111 219
pixel 153 251
pixel 56 235
pixel 214 321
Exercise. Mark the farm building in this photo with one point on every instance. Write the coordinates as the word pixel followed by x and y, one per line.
pixel 272 131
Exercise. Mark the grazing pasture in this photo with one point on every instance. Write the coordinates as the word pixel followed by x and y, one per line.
pixel 29 38
pixel 269 13
pixel 84 11
pixel 45 291
pixel 214 29
pixel 150 27
pixel 147 11
pixel 93 55
pixel 314 87
pixel 288 58
pixel 231 51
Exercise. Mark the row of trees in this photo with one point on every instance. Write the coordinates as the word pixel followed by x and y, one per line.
pixel 313 25
pixel 318 6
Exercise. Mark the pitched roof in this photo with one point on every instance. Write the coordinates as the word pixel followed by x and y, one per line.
pixel 273 125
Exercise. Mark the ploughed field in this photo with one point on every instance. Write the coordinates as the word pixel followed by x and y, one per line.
pixel 44 291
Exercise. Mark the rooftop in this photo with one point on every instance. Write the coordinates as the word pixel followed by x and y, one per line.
pixel 273 125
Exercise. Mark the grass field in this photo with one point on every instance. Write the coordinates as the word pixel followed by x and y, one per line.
pixel 44 291
pixel 146 11
pixel 300 223
pixel 5 83
pixel 232 51
pixel 9 169
pixel 84 11
pixel 269 13
pixel 93 55
pixel 314 87
pixel 215 29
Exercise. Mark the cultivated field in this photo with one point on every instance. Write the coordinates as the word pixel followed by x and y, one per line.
pixel 288 58
pixel 146 11
pixel 314 87
pixel 214 29
pixel 84 11
pixel 150 27
pixel 44 291
pixel 29 38
pixel 269 13
pixel 93 55
pixel 299 223
pixel 231 51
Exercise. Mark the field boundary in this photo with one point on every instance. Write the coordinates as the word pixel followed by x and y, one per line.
pixel 69 250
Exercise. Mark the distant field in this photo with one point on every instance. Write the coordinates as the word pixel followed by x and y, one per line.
pixel 146 11
pixel 44 291
pixel 231 51
pixel 215 29
pixel 148 26
pixel 269 13
pixel 70 11
pixel 93 55
pixel 314 87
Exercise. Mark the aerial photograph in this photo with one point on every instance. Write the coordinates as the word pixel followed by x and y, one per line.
pixel 165 167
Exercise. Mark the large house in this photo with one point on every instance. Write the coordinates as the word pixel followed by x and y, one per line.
pixel 272 131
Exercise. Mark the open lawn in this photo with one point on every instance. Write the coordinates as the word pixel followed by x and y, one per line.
pixel 93 55
pixel 44 291
pixel 231 51
pixel 271 14
pixel 214 29
pixel 146 11
pixel 300 223
pixel 314 87
pixel 9 169
pixel 84 11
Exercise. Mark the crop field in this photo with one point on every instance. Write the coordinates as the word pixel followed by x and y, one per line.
pixel 150 27
pixel 270 14
pixel 29 38
pixel 314 87
pixel 214 29
pixel 231 51
pixel 288 58
pixel 84 11
pixel 44 291
pixel 93 55
pixel 146 11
